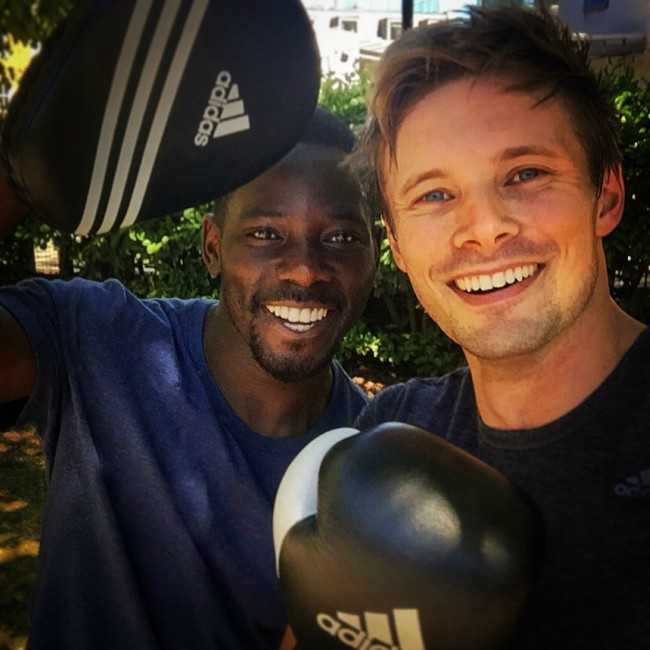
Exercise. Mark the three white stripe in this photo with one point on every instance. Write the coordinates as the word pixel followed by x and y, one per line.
pixel 150 71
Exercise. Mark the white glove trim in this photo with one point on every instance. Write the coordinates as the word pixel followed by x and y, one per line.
pixel 297 495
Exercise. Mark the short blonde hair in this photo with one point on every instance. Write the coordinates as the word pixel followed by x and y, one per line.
pixel 531 50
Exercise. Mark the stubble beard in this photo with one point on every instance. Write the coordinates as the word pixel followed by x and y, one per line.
pixel 290 367
pixel 527 335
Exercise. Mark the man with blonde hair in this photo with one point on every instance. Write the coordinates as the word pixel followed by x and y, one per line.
pixel 493 154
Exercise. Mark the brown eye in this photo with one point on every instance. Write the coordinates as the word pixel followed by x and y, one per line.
pixel 264 234
pixel 342 238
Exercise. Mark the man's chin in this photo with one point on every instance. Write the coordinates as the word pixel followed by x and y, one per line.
pixel 292 371
pixel 290 366
pixel 512 340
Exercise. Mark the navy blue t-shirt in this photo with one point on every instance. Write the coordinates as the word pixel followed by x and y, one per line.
pixel 157 526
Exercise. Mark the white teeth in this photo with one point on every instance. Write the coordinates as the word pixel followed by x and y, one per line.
pixel 486 282
pixel 496 280
pixel 499 280
pixel 296 319
pixel 298 327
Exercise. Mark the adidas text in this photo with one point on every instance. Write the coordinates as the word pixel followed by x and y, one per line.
pixel 635 486
pixel 374 631
pixel 224 113
pixel 352 638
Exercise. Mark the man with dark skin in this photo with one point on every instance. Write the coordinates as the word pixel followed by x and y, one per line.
pixel 168 424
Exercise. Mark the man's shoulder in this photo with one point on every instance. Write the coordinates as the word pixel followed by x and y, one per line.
pixel 79 306
pixel 346 389
pixel 419 401
pixel 104 294
pixel 68 292
pixel 425 388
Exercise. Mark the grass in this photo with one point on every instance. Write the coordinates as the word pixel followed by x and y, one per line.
pixel 22 492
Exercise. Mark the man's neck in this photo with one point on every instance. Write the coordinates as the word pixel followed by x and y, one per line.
pixel 268 406
pixel 532 390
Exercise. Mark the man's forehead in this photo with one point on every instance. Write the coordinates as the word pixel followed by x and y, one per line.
pixel 472 113
pixel 296 186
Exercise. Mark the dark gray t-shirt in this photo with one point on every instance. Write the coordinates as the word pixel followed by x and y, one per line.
pixel 589 474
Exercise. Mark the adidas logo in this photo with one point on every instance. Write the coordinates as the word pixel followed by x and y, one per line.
pixel 634 486
pixel 224 114
pixel 376 633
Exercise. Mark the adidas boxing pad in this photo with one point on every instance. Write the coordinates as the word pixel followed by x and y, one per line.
pixel 393 539
pixel 136 109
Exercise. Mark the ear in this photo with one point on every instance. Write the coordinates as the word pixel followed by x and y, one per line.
pixel 211 246
pixel 610 202
pixel 394 245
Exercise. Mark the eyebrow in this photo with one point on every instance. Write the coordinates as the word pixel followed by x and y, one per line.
pixel 506 154
pixel 340 213
pixel 257 212
pixel 415 180
pixel 527 150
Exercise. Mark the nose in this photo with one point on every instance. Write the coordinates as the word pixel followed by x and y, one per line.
pixel 484 224
pixel 304 265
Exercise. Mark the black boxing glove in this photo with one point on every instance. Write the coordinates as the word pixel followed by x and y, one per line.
pixel 137 109
pixel 393 539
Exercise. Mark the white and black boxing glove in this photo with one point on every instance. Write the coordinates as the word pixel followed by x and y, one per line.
pixel 393 539
pixel 137 109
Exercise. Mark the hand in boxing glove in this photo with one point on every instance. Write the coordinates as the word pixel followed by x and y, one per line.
pixel 395 539
pixel 136 109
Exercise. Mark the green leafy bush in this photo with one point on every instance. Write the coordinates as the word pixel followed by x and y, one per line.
pixel 408 353
pixel 628 247
pixel 346 98
pixel 162 258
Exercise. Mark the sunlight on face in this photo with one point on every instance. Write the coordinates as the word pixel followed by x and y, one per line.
pixel 494 216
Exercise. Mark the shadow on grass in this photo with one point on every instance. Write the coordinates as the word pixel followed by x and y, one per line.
pixel 22 492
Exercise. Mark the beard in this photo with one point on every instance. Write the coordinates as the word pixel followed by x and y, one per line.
pixel 292 366
pixel 527 335
pixel 298 361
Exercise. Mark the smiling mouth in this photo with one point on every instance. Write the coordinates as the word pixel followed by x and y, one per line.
pixel 298 319
pixel 489 282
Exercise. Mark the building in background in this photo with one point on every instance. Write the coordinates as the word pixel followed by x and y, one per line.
pixel 353 34
pixel 614 27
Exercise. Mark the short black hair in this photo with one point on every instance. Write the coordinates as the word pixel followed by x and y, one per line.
pixel 323 129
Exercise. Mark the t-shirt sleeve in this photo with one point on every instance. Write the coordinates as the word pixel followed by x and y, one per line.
pixel 381 408
pixel 61 320
pixel 33 304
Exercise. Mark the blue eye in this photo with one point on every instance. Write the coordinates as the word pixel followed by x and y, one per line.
pixel 525 175
pixel 435 196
